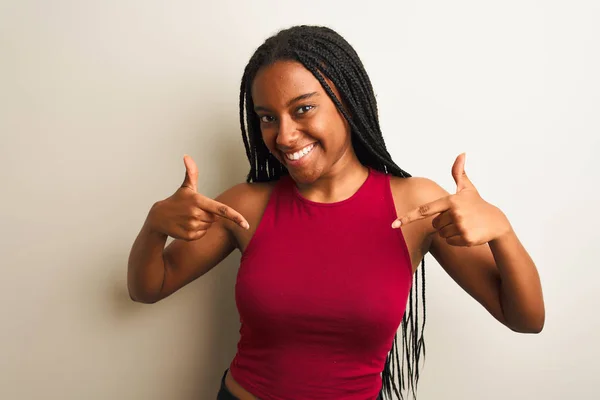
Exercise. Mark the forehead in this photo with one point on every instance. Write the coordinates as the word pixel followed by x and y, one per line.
pixel 275 84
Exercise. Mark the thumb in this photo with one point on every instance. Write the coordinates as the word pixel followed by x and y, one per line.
pixel 459 174
pixel 191 174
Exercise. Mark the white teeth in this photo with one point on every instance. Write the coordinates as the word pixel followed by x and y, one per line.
pixel 301 153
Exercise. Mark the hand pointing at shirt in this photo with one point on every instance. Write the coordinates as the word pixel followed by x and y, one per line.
pixel 464 219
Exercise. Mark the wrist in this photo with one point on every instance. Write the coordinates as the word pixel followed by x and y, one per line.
pixel 150 227
pixel 505 229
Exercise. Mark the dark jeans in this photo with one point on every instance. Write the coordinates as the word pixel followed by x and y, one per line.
pixel 224 394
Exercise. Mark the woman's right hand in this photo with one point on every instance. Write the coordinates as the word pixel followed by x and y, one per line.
pixel 188 215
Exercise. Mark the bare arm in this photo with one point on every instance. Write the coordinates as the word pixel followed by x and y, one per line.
pixel 202 239
pixel 145 268
pixel 155 272
pixel 476 245
pixel 500 275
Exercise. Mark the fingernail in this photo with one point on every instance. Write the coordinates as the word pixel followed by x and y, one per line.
pixel 245 225
pixel 396 224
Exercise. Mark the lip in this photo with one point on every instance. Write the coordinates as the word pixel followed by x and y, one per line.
pixel 296 149
pixel 303 160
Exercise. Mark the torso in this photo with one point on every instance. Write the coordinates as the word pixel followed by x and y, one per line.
pixel 416 235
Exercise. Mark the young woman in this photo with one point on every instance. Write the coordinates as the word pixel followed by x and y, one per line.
pixel 331 232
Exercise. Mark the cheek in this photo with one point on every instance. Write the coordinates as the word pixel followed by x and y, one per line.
pixel 268 135
pixel 327 126
pixel 334 132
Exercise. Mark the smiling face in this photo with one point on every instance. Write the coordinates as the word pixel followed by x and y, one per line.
pixel 300 124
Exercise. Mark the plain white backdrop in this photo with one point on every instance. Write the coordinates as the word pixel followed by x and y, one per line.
pixel 99 100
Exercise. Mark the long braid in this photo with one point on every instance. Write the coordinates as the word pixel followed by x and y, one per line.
pixel 329 56
pixel 374 148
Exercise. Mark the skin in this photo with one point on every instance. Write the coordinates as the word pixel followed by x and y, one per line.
pixel 470 238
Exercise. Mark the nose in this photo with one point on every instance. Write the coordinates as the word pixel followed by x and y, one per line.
pixel 287 133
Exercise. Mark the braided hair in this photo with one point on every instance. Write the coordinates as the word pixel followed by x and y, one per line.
pixel 326 54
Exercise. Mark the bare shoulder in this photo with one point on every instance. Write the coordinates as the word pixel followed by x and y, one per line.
pixel 411 193
pixel 408 194
pixel 415 191
pixel 250 200
pixel 245 195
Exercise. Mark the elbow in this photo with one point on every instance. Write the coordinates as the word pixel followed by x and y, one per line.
pixel 141 292
pixel 530 317
pixel 531 329
pixel 537 322
pixel 538 326
pixel 142 297
pixel 138 299
pixel 531 325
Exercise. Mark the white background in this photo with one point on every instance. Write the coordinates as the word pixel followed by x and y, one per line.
pixel 99 100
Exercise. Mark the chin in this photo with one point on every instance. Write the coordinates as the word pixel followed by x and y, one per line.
pixel 305 176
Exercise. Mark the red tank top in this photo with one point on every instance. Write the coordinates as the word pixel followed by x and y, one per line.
pixel 321 291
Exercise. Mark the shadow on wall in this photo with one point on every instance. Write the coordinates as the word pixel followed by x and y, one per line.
pixel 225 333
pixel 213 319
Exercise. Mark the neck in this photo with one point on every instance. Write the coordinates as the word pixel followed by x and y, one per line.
pixel 340 183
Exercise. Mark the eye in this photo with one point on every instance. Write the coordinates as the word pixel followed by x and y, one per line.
pixel 304 109
pixel 266 119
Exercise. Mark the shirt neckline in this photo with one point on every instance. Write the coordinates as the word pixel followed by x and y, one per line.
pixel 356 194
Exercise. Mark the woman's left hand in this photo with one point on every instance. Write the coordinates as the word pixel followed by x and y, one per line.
pixel 464 219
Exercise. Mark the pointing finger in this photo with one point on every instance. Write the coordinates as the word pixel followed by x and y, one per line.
pixel 423 211
pixel 223 210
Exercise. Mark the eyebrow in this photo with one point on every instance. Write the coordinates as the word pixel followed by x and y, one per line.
pixel 292 101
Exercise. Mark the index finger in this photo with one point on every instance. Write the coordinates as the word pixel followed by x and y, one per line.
pixel 223 210
pixel 424 211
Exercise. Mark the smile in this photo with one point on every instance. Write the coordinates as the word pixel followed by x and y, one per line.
pixel 300 153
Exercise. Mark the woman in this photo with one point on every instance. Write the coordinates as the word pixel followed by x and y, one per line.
pixel 331 233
